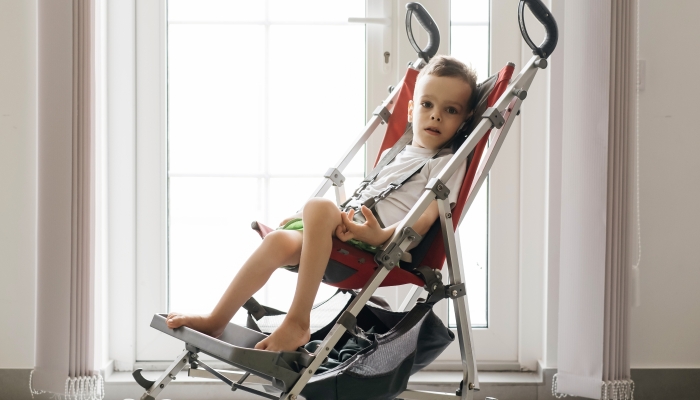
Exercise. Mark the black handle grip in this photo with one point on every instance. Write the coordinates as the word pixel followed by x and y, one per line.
pixel 542 13
pixel 427 22
pixel 143 382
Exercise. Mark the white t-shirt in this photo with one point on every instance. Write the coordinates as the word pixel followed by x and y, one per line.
pixel 400 201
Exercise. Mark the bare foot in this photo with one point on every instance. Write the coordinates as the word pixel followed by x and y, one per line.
pixel 288 337
pixel 202 323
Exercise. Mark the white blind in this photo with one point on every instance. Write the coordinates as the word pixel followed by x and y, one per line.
pixel 593 357
pixel 66 202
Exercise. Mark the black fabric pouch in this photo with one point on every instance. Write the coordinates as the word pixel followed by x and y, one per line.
pixel 376 359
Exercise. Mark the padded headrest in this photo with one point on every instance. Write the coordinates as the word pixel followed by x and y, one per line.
pixel 483 90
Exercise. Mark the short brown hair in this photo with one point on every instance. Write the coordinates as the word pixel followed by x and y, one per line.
pixel 452 67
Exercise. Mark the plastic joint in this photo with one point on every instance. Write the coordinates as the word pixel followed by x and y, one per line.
pixel 456 291
pixel 348 320
pixel 494 116
pixel 390 257
pixel 439 188
pixel 383 113
pixel 335 176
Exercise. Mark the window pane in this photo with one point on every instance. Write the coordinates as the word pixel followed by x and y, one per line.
pixel 215 10
pixel 469 11
pixel 473 236
pixel 210 237
pixel 215 98
pixel 470 44
pixel 257 112
pixel 317 96
pixel 315 10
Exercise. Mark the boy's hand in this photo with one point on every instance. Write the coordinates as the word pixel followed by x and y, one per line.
pixel 370 232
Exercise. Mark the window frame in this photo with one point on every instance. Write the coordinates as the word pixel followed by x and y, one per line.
pixel 137 191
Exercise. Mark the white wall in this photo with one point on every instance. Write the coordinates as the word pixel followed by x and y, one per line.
pixel 18 135
pixel 666 327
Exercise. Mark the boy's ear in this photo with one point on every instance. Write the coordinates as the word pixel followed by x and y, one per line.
pixel 410 111
pixel 467 121
pixel 469 118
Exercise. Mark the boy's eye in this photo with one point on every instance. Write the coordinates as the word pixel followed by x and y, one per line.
pixel 426 104
pixel 452 110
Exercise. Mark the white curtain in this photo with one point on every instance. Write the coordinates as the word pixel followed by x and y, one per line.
pixel 66 201
pixel 599 79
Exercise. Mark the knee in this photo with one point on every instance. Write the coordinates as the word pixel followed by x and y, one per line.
pixel 320 206
pixel 281 243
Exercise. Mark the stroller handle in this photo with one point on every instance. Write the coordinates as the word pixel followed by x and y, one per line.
pixel 427 22
pixel 542 13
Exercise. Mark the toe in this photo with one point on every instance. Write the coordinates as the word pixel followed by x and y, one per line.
pixel 174 321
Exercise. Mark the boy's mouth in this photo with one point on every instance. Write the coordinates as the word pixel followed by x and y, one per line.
pixel 433 131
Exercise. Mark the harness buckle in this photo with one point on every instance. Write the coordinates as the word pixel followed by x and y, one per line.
pixel 363 186
pixel 392 186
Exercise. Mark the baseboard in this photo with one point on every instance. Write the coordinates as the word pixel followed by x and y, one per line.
pixel 14 384
pixel 650 384
pixel 665 384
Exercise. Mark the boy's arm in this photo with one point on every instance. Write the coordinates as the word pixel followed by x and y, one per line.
pixel 371 233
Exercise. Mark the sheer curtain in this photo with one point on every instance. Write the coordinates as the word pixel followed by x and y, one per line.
pixel 593 352
pixel 66 201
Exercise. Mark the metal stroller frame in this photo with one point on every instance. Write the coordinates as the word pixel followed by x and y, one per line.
pixel 291 371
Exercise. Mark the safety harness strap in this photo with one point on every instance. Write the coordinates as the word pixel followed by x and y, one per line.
pixel 388 158
pixel 397 148
pixel 393 152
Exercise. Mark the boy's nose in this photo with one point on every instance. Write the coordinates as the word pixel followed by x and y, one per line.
pixel 435 117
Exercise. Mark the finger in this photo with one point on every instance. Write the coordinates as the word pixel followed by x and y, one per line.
pixel 345 219
pixel 343 235
pixel 369 216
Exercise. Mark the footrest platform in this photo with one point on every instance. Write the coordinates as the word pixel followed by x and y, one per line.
pixel 236 345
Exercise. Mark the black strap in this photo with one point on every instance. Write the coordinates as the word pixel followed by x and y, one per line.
pixel 258 311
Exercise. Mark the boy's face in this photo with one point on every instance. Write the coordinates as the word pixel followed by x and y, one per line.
pixel 438 108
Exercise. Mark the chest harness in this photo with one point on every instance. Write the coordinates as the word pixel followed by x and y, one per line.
pixel 372 202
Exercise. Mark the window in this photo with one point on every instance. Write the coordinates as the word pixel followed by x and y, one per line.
pixel 215 135
pixel 469 41
pixel 250 125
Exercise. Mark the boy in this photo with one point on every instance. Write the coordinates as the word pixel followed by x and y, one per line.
pixel 442 102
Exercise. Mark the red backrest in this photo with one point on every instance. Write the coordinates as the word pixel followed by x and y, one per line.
pixel 399 116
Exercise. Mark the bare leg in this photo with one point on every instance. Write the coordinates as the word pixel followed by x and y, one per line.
pixel 278 249
pixel 321 217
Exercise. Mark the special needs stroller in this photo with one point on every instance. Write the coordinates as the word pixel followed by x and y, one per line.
pixel 388 346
